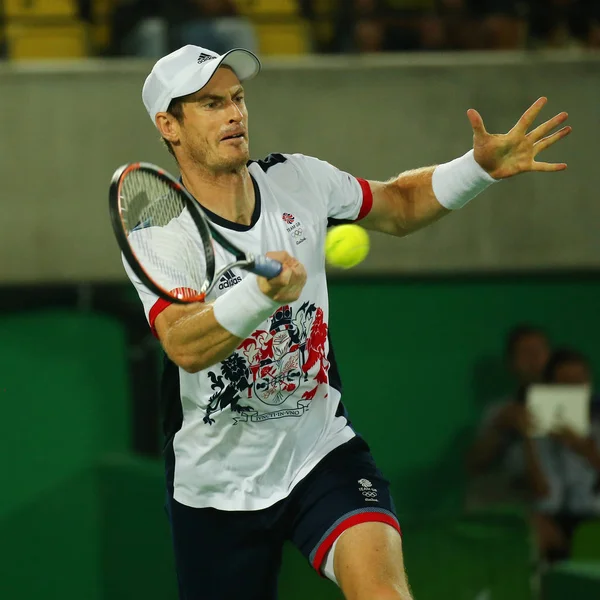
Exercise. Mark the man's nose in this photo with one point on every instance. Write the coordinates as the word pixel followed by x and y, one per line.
pixel 235 114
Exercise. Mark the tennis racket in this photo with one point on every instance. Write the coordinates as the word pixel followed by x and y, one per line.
pixel 166 238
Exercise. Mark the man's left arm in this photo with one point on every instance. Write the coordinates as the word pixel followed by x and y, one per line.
pixel 417 198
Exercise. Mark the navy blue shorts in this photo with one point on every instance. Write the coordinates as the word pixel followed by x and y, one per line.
pixel 228 555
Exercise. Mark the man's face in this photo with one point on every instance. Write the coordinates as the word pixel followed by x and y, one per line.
pixel 530 356
pixel 214 130
pixel 572 373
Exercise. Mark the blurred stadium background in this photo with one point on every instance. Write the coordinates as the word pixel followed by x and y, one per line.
pixel 374 88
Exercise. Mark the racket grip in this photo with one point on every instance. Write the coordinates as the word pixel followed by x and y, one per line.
pixel 266 267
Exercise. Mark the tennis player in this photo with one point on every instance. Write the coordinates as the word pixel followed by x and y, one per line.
pixel 259 448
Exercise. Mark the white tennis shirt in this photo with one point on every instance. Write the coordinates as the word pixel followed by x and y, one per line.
pixel 245 431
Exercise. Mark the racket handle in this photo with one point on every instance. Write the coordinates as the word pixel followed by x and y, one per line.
pixel 266 267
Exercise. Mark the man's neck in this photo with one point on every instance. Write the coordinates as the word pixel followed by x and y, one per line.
pixel 227 194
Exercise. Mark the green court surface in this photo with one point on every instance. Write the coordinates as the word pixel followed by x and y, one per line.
pixel 573 581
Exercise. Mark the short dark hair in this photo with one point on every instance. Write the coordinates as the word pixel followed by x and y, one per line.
pixel 560 357
pixel 517 333
pixel 175 109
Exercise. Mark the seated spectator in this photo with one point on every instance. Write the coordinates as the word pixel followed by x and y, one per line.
pixel 153 28
pixel 564 23
pixel 320 38
pixel 557 476
pixel 404 29
pixel 138 28
pixel 458 24
pixel 480 24
pixel 502 24
pixel 593 13
pixel 360 26
pixel 526 353
pixel 433 33
pixel 217 25
pixel 460 30
pixel 571 463
pixel 85 10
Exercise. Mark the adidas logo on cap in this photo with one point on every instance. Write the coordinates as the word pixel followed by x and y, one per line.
pixel 204 57
pixel 228 279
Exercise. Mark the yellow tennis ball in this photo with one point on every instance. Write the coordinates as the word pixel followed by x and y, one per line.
pixel 346 246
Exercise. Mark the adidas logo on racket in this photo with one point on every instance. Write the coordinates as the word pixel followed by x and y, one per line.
pixel 228 279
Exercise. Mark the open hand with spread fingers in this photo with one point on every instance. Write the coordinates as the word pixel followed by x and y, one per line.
pixel 506 155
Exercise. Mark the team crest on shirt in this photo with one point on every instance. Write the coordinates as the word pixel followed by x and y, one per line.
pixel 294 228
pixel 260 380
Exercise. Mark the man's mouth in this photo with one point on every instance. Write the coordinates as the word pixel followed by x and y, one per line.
pixel 233 136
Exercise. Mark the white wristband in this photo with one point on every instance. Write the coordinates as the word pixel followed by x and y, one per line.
pixel 459 181
pixel 244 307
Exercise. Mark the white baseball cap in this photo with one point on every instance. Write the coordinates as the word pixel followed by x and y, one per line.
pixel 188 70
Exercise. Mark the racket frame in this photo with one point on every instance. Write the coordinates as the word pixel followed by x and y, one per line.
pixel 246 260
pixel 205 231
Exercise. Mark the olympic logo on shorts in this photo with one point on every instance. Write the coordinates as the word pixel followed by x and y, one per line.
pixel 367 490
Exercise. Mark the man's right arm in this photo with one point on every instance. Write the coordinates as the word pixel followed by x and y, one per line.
pixel 199 335
pixel 192 337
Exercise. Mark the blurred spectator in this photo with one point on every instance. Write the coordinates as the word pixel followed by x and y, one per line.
pixel 563 23
pixel 399 25
pixel 571 464
pixel 593 38
pixel 373 26
pixel 502 24
pixel 479 24
pixel 463 24
pixel 217 25
pixel 527 350
pixel 319 40
pixel 460 30
pixel 85 10
pixel 138 28
pixel 526 353
pixel 360 26
pixel 556 476
pixel 388 26
pixel 432 31
pixel 153 28
pixel 404 25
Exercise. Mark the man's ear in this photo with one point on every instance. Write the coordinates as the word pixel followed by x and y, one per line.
pixel 168 126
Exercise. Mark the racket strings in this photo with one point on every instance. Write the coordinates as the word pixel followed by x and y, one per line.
pixel 162 234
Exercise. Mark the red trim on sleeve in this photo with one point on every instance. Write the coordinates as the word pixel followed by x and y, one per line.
pixel 365 517
pixel 156 309
pixel 367 203
pixel 161 304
